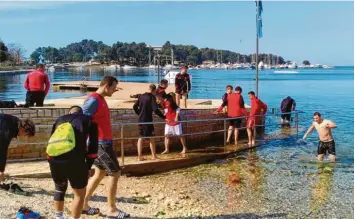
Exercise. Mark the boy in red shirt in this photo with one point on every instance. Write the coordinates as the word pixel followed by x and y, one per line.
pixel 254 116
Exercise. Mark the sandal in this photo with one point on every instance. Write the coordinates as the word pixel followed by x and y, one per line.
pixel 121 214
pixel 91 211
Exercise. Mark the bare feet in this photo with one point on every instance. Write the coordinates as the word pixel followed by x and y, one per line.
pixel 141 159
pixel 236 143
pixel 165 152
pixel 253 143
pixel 249 144
pixel 155 158
pixel 183 151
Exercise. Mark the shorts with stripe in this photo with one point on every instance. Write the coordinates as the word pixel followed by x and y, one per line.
pixel 107 159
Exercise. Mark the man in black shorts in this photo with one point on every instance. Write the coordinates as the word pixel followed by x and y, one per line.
pixel 326 141
pixel 11 127
pixel 74 165
pixel 144 108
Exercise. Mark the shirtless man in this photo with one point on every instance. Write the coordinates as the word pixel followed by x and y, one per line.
pixel 326 140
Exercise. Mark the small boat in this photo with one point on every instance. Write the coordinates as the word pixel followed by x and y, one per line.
pixel 129 67
pixel 286 72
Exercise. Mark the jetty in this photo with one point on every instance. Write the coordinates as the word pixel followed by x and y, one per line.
pixel 205 132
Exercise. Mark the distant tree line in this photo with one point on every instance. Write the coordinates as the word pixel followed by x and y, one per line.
pixel 11 53
pixel 138 54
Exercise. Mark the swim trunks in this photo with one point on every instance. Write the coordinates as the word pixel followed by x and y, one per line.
pixel 107 160
pixel 236 123
pixel 325 146
pixel 146 130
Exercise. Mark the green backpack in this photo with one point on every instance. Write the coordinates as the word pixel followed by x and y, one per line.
pixel 62 140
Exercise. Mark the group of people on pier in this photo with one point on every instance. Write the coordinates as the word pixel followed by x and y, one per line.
pixel 84 137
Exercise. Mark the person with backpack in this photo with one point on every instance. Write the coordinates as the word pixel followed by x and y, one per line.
pixel 287 105
pixel 11 127
pixel 70 159
pixel 37 85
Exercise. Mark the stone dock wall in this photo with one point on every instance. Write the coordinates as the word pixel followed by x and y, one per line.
pixel 45 117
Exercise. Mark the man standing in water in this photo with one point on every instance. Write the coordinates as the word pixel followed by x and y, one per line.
pixel 106 163
pixel 287 105
pixel 182 86
pixel 326 140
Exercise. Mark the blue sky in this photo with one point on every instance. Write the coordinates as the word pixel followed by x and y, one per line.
pixel 322 32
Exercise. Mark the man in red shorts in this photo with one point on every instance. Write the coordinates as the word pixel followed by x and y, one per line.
pixel 257 111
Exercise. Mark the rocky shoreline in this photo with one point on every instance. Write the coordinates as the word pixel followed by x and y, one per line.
pixel 243 187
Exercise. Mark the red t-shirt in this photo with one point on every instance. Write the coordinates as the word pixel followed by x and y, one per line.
pixel 170 114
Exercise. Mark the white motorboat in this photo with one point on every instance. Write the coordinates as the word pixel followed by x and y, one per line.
pixel 129 67
pixel 171 75
pixel 285 72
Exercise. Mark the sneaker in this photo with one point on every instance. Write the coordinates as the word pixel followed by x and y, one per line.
pixel 25 213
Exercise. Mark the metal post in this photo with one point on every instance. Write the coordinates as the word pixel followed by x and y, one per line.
pixel 254 135
pixel 296 125
pixel 257 52
pixel 225 132
pixel 122 146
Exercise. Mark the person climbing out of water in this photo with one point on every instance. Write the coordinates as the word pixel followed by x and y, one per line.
pixel 144 108
pixel 235 109
pixel 258 110
pixel 326 141
pixel 287 105
pixel 11 127
pixel 37 85
pixel 106 163
pixel 172 127
pixel 182 86
pixel 70 159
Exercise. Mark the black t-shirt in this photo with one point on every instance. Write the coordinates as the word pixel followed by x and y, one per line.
pixel 9 128
pixel 145 106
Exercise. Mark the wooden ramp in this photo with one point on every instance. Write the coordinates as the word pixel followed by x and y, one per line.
pixel 40 168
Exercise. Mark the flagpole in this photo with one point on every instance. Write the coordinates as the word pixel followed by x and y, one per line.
pixel 257 50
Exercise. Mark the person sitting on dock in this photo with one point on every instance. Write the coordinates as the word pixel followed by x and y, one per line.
pixel 258 110
pixel 172 127
pixel 326 141
pixel 144 108
pixel 37 85
pixel 287 105
pixel 72 164
pixel 182 86
pixel 11 127
pixel 235 106
pixel 107 163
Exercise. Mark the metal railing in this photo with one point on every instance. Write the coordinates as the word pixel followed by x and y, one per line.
pixel 122 126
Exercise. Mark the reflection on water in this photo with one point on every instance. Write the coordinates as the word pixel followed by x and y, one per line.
pixel 322 185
